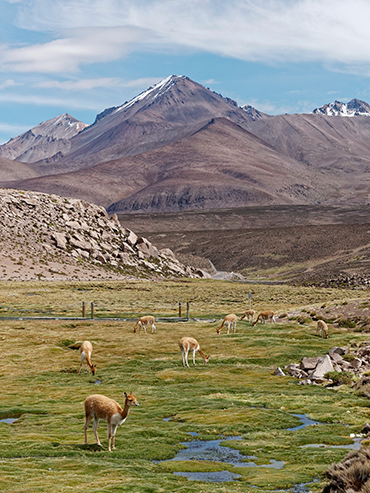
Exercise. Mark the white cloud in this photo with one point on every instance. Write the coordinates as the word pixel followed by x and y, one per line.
pixel 104 82
pixel 272 31
pixel 10 83
pixel 32 99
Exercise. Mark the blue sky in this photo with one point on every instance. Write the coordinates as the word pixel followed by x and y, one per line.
pixel 80 57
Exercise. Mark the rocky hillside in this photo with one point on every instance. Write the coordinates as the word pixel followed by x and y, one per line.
pixel 52 237
pixel 44 140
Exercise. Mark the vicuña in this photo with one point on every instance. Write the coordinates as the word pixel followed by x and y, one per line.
pixel 189 343
pixel 101 407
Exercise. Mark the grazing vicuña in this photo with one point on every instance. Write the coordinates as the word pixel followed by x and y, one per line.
pixel 229 321
pixel 189 343
pixel 86 350
pixel 143 321
pixel 264 316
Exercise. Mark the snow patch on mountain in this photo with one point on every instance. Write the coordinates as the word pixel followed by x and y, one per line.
pixel 154 91
pixel 355 107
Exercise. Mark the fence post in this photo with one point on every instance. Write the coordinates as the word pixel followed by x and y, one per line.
pixel 92 310
pixel 83 310
pixel 187 310
pixel 179 309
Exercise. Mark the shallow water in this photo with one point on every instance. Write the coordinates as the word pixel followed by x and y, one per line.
pixel 8 420
pixel 210 477
pixel 212 450
pixel 306 421
pixel 356 445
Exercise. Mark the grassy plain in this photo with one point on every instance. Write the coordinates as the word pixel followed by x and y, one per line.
pixel 236 394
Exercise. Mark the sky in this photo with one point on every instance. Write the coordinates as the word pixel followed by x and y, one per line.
pixel 81 57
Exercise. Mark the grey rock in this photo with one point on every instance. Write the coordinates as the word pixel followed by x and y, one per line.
pixel 60 240
pixel 323 366
pixel 336 358
pixel 356 363
pixel 339 350
pixel 309 363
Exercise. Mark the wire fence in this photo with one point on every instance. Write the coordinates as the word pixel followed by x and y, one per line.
pixel 100 311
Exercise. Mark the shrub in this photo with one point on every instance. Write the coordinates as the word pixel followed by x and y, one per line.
pixel 346 323
pixel 340 378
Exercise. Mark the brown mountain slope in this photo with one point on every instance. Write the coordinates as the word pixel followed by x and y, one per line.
pixel 13 170
pixel 222 165
pixel 332 144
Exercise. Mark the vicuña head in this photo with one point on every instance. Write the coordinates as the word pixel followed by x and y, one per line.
pixel 101 407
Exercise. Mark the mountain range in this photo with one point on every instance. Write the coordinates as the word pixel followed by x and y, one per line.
pixel 179 146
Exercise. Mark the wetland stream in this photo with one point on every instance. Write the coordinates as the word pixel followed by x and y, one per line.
pixel 216 451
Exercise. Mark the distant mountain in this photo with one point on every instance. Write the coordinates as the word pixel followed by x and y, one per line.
pixel 354 108
pixel 220 166
pixel 253 113
pixel 175 108
pixel 43 141
pixel 180 146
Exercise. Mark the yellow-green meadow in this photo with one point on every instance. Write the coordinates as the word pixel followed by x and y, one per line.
pixel 235 395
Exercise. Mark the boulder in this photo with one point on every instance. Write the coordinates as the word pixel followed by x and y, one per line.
pixel 364 352
pixel 338 350
pixel 323 366
pixel 309 363
pixel 60 240
pixel 336 358
pixel 131 238
pixel 146 248
pixel 279 372
pixel 356 363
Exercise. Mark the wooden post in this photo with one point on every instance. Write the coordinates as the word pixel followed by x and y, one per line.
pixel 83 310
pixel 187 310
pixel 92 310
pixel 179 309
pixel 250 300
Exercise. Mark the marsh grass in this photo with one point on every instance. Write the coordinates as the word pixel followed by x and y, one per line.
pixel 236 394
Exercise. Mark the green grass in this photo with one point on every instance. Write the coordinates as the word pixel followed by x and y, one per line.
pixel 236 394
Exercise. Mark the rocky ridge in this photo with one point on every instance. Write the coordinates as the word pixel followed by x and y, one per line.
pixel 354 361
pixel 52 237
pixel 355 107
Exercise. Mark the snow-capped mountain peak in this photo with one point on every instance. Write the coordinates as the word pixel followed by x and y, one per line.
pixel 355 107
pixel 153 92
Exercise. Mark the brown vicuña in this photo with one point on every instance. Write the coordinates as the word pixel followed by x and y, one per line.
pixel 249 314
pixel 264 316
pixel 86 350
pixel 322 328
pixel 229 321
pixel 143 321
pixel 189 343
pixel 101 407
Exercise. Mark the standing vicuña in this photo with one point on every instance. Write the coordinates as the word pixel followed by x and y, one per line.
pixel 188 343
pixel 249 314
pixel 229 321
pixel 101 407
pixel 267 315
pixel 322 328
pixel 86 350
pixel 143 321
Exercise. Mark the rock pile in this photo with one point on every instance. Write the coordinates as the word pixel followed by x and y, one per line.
pixel 67 231
pixel 355 361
